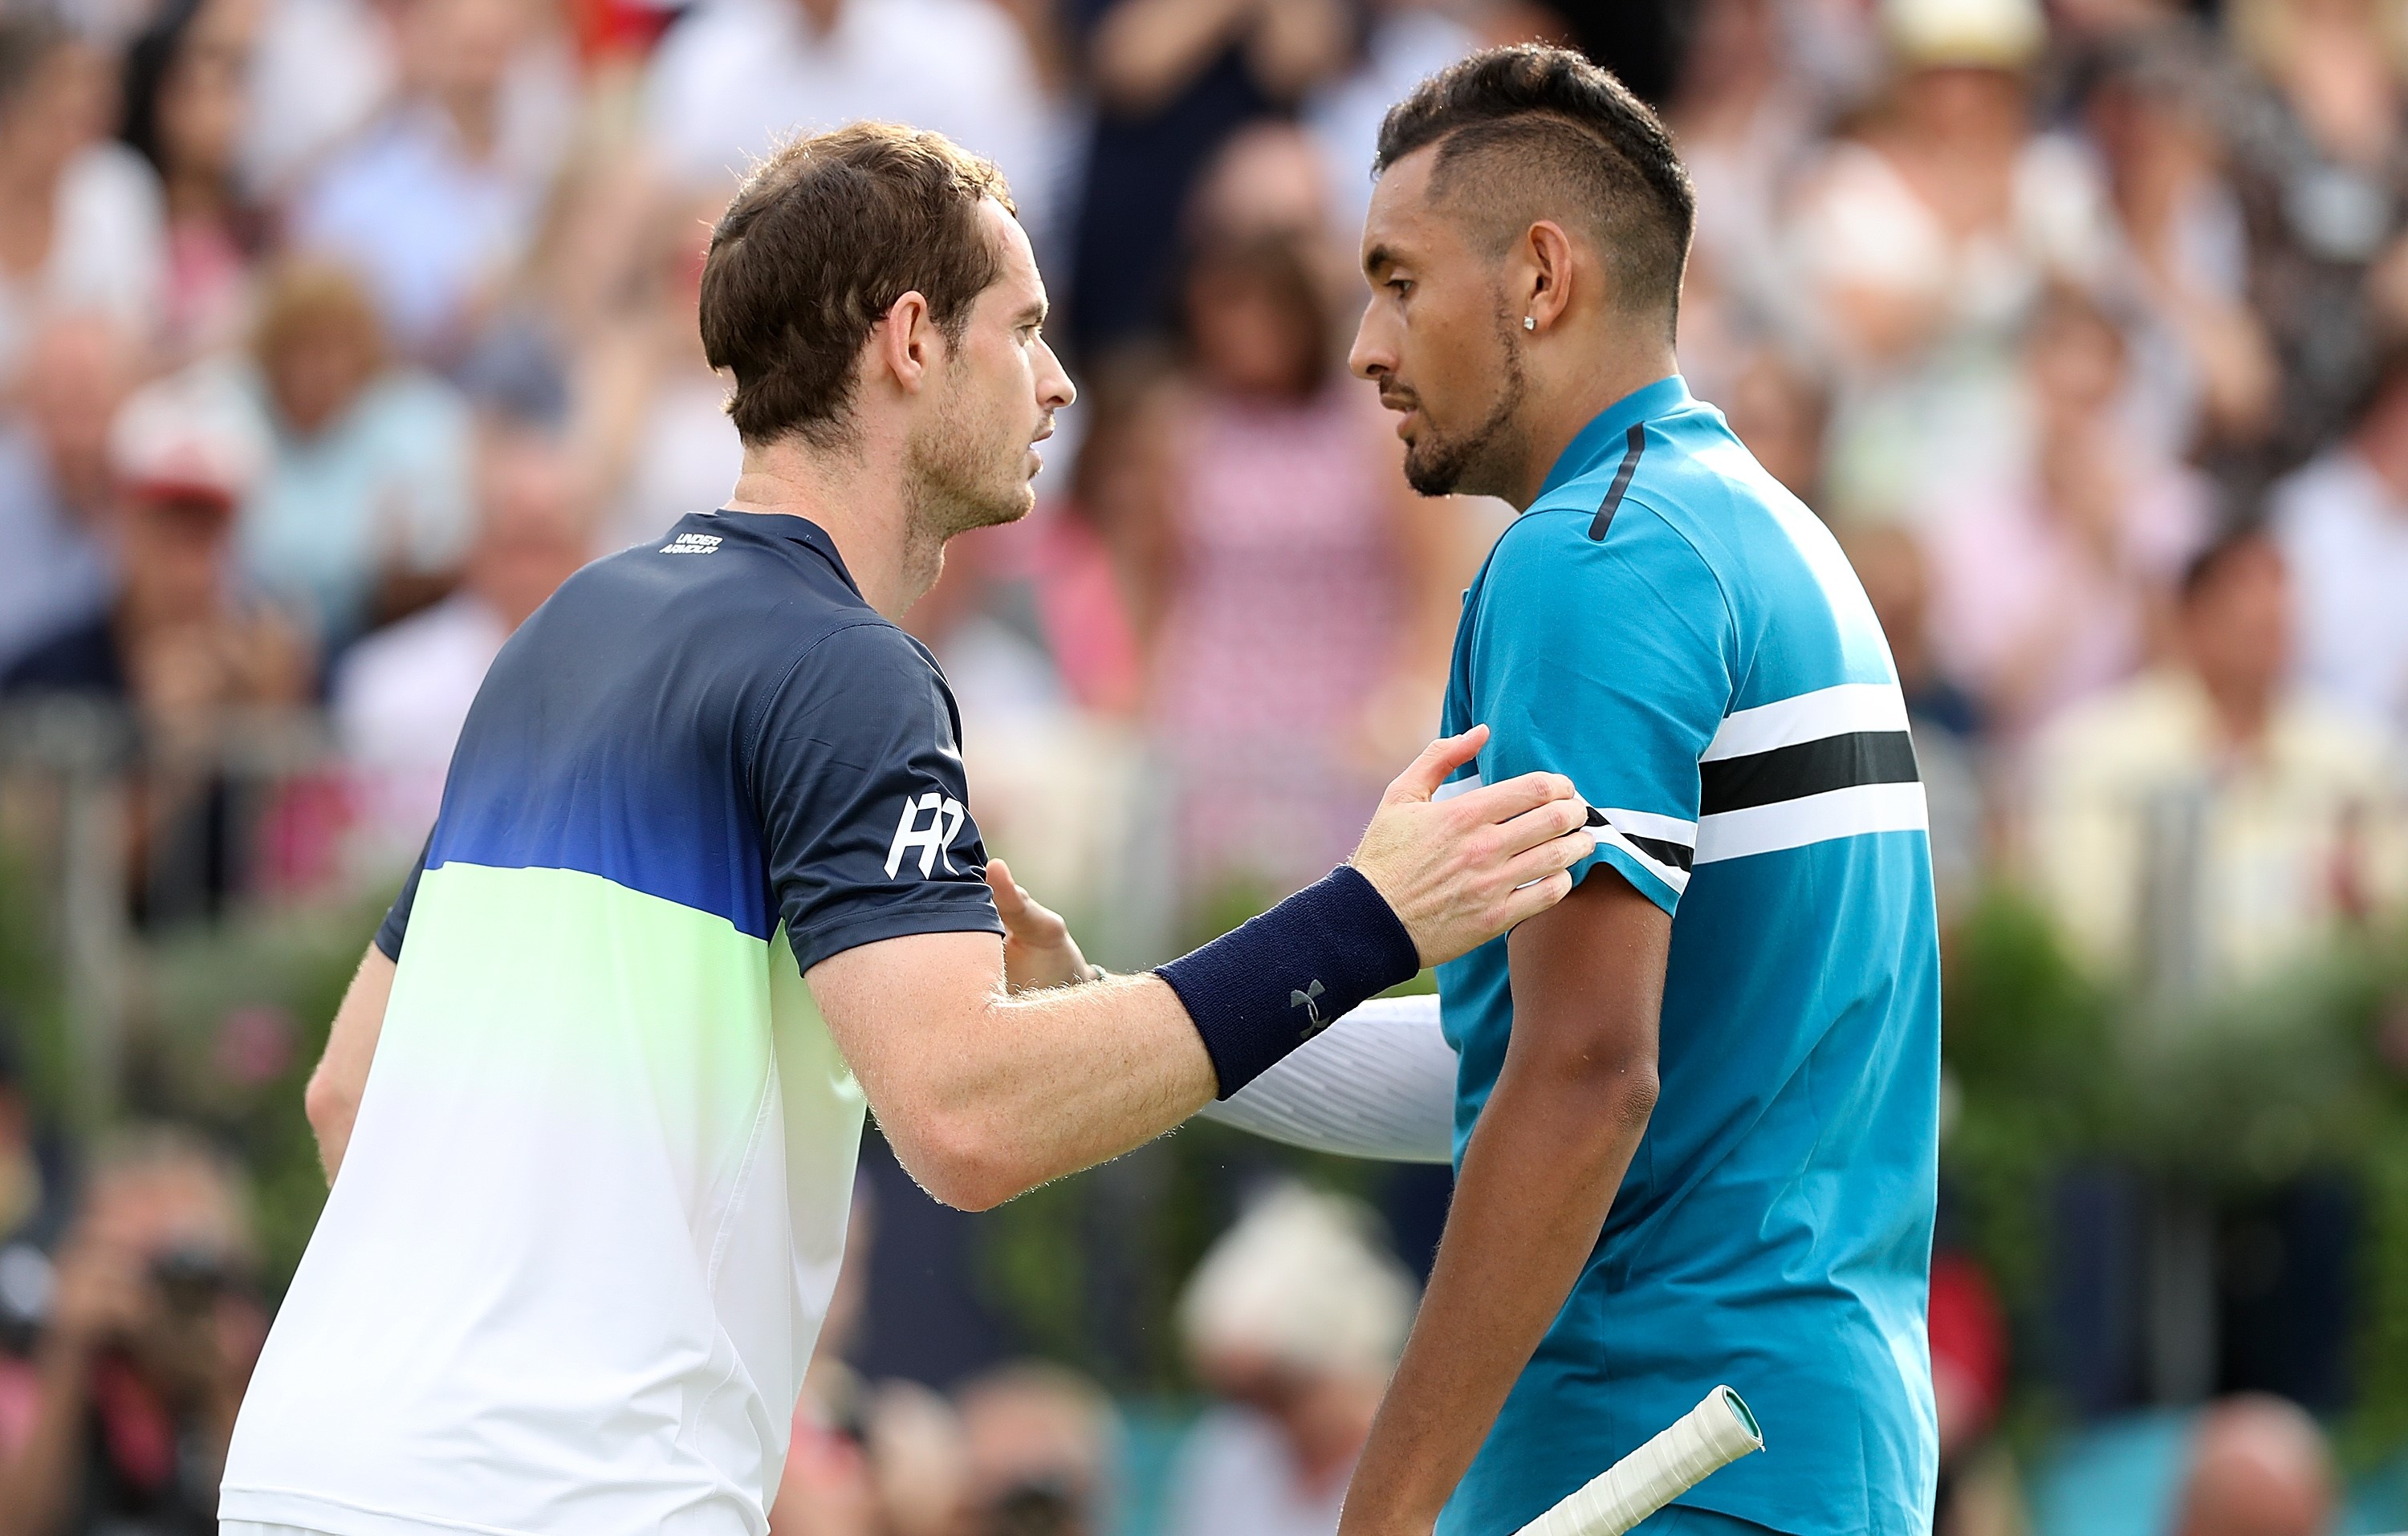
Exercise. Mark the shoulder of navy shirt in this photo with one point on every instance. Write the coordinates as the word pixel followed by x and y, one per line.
pixel 614 730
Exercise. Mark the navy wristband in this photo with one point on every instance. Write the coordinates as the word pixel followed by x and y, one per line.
pixel 1261 991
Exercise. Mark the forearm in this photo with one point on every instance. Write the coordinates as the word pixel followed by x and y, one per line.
pixel 984 1093
pixel 1148 51
pixel 1044 1084
pixel 1299 43
pixel 332 1098
pixel 1538 1179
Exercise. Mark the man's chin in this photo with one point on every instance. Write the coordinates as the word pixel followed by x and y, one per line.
pixel 1007 508
pixel 1433 473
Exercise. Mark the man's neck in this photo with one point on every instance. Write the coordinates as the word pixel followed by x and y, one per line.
pixel 2243 710
pixel 1556 414
pixel 856 497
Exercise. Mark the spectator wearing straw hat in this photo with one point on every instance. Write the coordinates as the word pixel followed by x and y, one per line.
pixel 1294 1320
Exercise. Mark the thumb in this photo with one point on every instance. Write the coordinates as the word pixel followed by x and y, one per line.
pixel 1009 899
pixel 1423 774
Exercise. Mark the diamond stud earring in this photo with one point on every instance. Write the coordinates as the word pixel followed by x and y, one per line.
pixel 1530 322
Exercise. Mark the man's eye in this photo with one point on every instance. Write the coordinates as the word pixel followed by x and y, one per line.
pixel 1401 286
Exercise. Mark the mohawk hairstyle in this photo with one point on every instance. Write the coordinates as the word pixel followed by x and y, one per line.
pixel 1529 132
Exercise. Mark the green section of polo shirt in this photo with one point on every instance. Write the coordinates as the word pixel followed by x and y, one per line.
pixel 562 997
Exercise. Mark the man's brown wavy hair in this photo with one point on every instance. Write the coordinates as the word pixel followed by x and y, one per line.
pixel 820 240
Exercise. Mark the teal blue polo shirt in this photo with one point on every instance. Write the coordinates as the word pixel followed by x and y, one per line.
pixel 1683 638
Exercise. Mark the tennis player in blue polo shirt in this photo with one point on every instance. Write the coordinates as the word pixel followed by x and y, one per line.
pixel 1695 1114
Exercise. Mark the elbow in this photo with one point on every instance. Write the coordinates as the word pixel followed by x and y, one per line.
pixel 1631 1098
pixel 1611 1094
pixel 957 1158
pixel 329 1104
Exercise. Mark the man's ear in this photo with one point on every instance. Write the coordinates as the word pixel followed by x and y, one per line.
pixel 905 345
pixel 1547 258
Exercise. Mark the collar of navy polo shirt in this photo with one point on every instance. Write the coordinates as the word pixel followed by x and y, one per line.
pixel 794 529
pixel 1603 436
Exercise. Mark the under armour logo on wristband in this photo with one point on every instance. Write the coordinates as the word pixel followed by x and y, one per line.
pixel 1309 1000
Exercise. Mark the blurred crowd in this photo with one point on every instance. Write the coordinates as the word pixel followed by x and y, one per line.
pixel 1292 1322
pixel 336 334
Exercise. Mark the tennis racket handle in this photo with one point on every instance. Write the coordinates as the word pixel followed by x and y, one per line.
pixel 1709 1437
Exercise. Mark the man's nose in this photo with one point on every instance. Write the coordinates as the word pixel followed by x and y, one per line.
pixel 1368 358
pixel 1056 388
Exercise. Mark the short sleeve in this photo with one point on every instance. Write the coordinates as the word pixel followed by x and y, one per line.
pixel 395 926
pixel 1609 662
pixel 856 776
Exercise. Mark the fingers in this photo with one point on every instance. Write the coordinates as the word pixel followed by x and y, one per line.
pixel 1423 774
pixel 1549 856
pixel 1025 918
pixel 1536 897
pixel 1554 816
pixel 1500 802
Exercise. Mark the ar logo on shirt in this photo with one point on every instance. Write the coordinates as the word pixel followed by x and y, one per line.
pixel 945 818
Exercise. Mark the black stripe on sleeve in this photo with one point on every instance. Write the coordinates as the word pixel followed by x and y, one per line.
pixel 1809 767
pixel 1674 854
pixel 1660 851
pixel 1637 439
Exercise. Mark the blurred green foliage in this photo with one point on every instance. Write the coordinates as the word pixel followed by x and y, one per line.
pixel 31 999
pixel 2048 1067
pixel 230 1020
pixel 2229 1095
pixel 223 1024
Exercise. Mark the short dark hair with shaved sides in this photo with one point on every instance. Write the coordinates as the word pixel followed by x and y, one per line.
pixel 1531 132
pixel 820 240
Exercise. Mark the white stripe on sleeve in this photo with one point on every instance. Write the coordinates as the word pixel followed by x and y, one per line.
pixel 1812 818
pixel 1670 874
pixel 1647 823
pixel 1809 717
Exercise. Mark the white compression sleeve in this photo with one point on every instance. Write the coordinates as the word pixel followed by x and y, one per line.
pixel 1379 1084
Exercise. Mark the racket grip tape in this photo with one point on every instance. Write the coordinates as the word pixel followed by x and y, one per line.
pixel 1708 1438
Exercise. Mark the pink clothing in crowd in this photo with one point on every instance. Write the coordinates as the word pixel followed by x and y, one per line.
pixel 2029 618
pixel 1284 617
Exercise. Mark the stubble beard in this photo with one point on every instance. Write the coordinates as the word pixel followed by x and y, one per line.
pixel 1476 462
pixel 965 470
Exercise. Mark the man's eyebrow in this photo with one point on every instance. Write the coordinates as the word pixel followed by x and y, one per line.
pixel 1378 258
pixel 1033 313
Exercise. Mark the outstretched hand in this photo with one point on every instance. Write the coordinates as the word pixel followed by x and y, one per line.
pixel 1461 870
pixel 1038 948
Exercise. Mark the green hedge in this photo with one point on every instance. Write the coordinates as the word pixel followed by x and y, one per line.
pixel 2231 1096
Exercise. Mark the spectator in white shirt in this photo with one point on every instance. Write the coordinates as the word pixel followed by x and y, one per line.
pixel 2206 823
pixel 737 77
pixel 438 199
pixel 403 692
pixel 2343 523
pixel 54 477
pixel 81 225
pixel 1921 244
pixel 321 71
